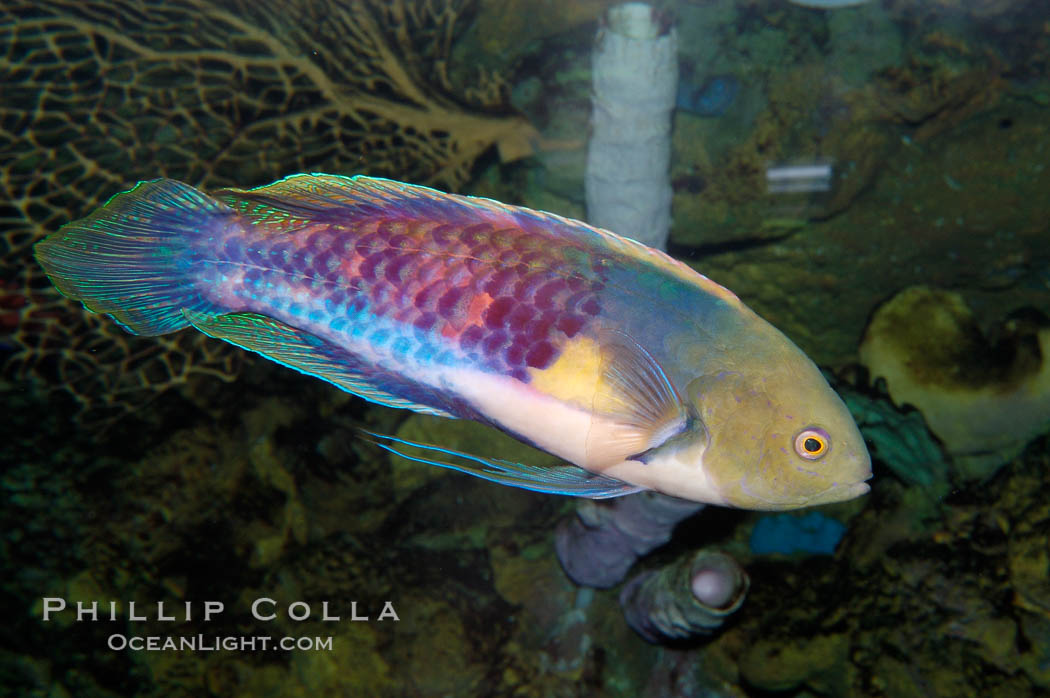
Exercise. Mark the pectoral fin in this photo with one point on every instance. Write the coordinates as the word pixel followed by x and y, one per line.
pixel 566 479
pixel 636 408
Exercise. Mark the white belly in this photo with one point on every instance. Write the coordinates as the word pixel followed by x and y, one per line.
pixel 565 430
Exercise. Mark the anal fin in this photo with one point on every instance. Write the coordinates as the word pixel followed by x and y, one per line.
pixel 304 352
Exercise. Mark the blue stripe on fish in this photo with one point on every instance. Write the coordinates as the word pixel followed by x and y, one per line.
pixel 567 480
pixel 314 356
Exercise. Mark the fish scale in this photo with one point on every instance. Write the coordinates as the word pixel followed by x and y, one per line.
pixel 501 297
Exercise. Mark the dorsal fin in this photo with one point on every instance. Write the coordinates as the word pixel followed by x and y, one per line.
pixel 313 198
pixel 298 200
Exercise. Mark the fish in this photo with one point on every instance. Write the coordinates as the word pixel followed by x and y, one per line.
pixel 633 368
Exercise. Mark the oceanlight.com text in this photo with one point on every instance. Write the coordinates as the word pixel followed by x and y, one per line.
pixel 211 643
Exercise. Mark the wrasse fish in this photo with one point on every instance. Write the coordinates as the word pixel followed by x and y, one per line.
pixel 638 371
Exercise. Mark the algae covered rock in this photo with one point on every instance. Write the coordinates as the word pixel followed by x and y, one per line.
pixel 776 665
pixel 984 401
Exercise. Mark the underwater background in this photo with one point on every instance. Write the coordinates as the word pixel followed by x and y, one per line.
pixel 178 469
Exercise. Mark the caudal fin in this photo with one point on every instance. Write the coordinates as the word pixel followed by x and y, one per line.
pixel 134 258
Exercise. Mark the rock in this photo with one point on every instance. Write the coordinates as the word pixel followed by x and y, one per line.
pixel 782 665
pixel 984 402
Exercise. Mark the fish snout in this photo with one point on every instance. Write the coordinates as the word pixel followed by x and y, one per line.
pixel 844 490
pixel 857 490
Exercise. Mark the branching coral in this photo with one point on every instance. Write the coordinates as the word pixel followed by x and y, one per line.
pixel 105 370
pixel 100 94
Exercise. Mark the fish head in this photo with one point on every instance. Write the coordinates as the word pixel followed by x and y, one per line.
pixel 777 436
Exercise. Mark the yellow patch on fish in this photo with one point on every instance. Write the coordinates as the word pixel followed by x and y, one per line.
pixel 574 376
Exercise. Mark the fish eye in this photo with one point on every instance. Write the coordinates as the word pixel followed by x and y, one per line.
pixel 812 443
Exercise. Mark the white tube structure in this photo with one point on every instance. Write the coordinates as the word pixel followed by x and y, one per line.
pixel 635 79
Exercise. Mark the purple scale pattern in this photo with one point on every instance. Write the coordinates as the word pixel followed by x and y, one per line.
pixel 506 295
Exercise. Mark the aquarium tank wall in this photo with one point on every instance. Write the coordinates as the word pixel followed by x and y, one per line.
pixel 684 348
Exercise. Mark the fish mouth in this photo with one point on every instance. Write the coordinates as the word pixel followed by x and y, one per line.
pixel 845 491
pixel 839 493
pixel 836 492
pixel 857 489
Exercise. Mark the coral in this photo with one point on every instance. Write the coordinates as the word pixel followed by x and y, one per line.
pixel 964 210
pixel 849 104
pixel 984 401
pixel 1029 566
pixel 813 533
pixel 599 544
pixel 105 371
pixel 563 635
pixel 957 605
pixel 819 662
pixel 436 651
pixel 354 646
pixel 977 8
pixel 100 94
pixel 554 627
pixel 198 497
pixel 934 98
pixel 899 438
pixel 505 27
pixel 690 597
pixel 863 42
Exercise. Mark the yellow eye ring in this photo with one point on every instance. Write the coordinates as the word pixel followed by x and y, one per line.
pixel 812 443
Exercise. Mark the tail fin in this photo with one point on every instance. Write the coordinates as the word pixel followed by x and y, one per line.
pixel 133 258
